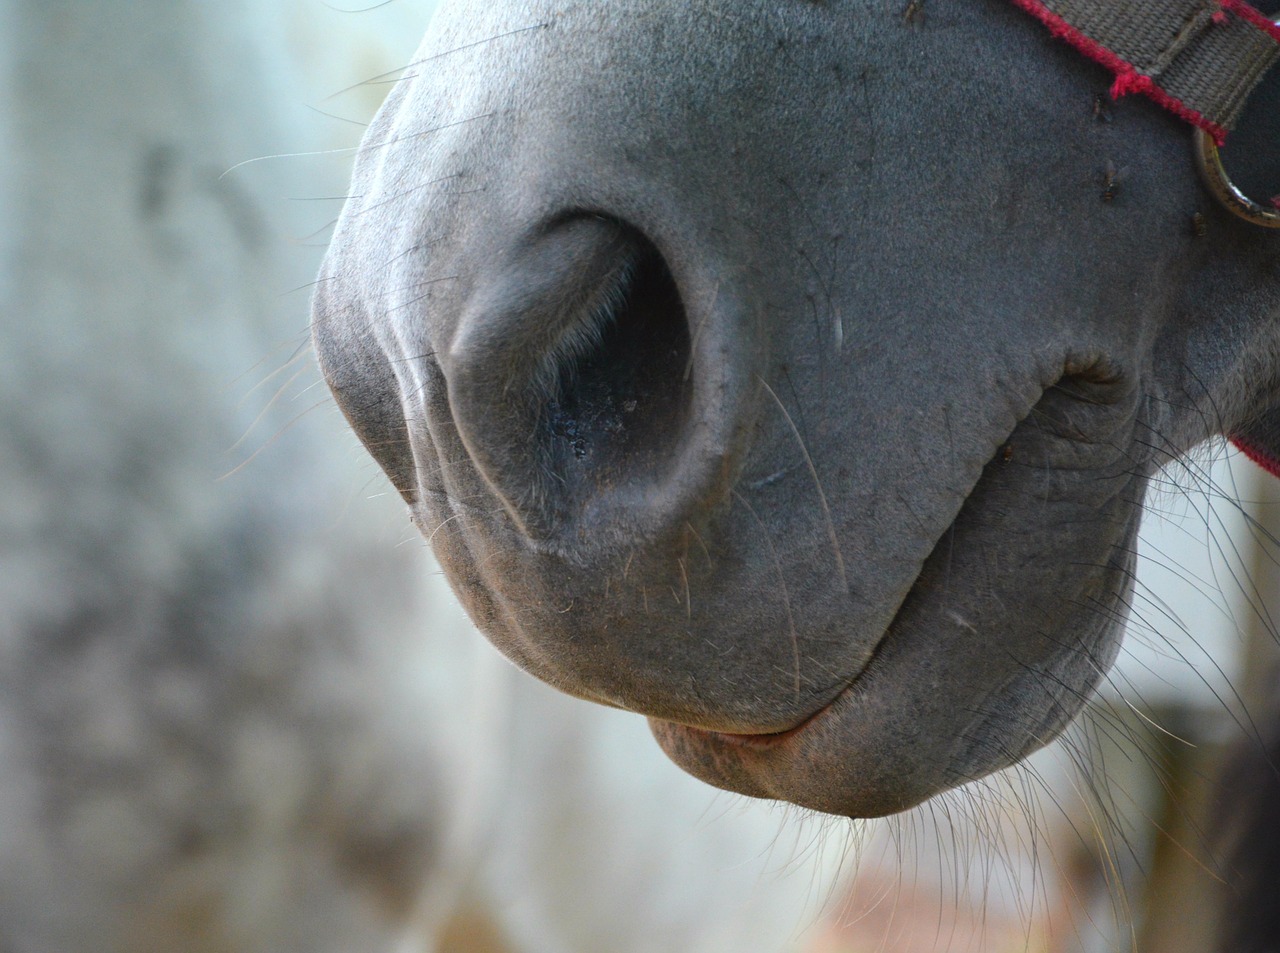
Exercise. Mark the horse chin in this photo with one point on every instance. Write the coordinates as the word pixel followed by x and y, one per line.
pixel 966 680
pixel 866 754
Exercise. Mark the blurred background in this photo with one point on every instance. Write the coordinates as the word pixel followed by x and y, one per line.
pixel 239 709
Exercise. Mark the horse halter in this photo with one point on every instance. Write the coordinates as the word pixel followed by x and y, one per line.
pixel 1200 59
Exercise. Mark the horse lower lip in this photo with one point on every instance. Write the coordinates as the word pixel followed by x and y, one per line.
pixel 760 741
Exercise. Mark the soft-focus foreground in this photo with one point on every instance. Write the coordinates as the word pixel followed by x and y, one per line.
pixel 235 715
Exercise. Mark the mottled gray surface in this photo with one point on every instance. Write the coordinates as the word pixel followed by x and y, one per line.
pixel 748 361
pixel 210 740
pixel 240 711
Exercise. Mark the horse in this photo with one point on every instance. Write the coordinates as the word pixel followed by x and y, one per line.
pixel 792 374
pixel 236 715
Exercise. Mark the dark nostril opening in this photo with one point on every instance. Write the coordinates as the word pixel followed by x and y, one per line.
pixel 622 392
pixel 578 383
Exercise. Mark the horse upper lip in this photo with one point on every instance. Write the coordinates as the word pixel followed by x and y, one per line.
pixel 764 740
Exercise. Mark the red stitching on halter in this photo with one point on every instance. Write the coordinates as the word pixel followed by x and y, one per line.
pixel 1259 455
pixel 1128 79
pixel 1255 452
pixel 1246 12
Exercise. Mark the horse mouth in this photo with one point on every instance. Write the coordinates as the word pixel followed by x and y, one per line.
pixel 765 741
pixel 788 764
pixel 759 741
pixel 968 676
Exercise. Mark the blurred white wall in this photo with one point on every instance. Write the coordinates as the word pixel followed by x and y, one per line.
pixel 1190 615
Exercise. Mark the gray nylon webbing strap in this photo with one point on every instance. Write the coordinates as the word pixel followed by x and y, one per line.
pixel 1200 58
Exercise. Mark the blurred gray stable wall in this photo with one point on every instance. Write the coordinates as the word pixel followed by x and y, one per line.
pixel 211 685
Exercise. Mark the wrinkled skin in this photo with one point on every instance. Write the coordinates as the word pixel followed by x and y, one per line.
pixel 776 370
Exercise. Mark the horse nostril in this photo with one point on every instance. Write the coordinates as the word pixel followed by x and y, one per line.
pixel 621 396
pixel 571 377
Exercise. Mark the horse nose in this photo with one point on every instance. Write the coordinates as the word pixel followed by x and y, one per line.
pixel 585 395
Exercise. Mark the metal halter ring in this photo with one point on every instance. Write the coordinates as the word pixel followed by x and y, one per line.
pixel 1215 177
